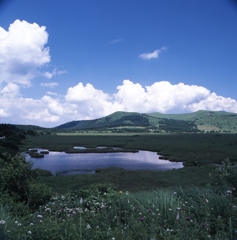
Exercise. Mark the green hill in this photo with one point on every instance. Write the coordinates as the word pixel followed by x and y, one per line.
pixel 200 121
pixel 206 120
pixel 117 119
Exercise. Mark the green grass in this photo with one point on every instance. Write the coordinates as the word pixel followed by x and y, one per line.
pixel 199 213
pixel 132 181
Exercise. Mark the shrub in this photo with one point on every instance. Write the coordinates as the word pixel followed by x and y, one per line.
pixel 16 178
pixel 225 176
pixel 39 194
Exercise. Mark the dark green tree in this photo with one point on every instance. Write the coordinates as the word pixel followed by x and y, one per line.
pixel 16 182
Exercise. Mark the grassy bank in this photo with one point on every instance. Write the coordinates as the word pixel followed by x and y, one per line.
pixel 133 181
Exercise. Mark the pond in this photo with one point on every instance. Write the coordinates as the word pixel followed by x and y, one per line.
pixel 81 163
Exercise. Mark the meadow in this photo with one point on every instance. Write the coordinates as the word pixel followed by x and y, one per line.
pixel 195 202
pixel 101 212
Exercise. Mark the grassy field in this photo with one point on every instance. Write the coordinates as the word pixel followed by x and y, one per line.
pixel 133 181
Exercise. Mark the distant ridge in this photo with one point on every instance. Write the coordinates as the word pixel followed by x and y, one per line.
pixel 200 121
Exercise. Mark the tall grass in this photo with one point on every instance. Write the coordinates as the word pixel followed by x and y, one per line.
pixel 103 213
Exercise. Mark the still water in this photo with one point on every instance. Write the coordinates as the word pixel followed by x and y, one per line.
pixel 82 163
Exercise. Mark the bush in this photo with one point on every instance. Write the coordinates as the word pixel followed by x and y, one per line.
pixel 16 178
pixel 39 194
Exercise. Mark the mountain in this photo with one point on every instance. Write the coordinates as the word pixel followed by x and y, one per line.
pixel 117 119
pixel 200 121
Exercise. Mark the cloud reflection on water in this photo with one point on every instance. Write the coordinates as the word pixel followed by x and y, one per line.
pixel 89 162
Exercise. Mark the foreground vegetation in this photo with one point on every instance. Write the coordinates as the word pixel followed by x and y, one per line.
pixel 104 212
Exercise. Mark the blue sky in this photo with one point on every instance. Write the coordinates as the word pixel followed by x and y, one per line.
pixel 71 60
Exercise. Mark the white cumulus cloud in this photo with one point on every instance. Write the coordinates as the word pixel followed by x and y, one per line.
pixel 154 54
pixel 161 96
pixel 216 103
pixel 91 102
pixel 10 90
pixel 22 51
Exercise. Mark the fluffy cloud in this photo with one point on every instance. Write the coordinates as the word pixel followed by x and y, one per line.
pixel 22 51
pixel 216 103
pixel 80 93
pixel 155 54
pixel 86 102
pixel 10 90
pixel 91 102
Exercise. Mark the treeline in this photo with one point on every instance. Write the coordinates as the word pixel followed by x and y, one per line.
pixel 12 137
pixel 171 125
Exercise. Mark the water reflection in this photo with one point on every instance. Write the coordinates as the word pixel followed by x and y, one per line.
pixel 79 147
pixel 89 162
